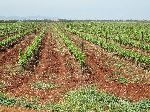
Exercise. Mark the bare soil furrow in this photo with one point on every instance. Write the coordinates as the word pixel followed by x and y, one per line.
pixel 95 61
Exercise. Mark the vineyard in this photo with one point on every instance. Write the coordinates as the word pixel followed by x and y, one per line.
pixel 75 67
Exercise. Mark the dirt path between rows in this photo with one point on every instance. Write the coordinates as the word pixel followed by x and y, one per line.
pixel 134 72
pixel 51 69
pixel 14 109
pixel 56 66
pixel 10 56
pixel 134 92
pixel 8 64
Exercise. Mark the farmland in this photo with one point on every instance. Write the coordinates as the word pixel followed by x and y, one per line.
pixel 75 66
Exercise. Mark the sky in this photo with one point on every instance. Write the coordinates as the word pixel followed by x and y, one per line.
pixel 77 9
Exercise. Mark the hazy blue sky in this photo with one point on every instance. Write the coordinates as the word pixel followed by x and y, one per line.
pixel 77 9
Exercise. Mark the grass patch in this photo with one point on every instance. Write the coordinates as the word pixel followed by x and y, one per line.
pixel 122 80
pixel 118 65
pixel 90 100
pixel 42 85
pixel 83 100
pixel 116 73
pixel 7 101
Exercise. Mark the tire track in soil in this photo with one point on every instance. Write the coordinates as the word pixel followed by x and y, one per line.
pixel 9 67
pixel 134 92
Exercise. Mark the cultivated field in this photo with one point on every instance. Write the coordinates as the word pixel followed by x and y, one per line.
pixel 75 67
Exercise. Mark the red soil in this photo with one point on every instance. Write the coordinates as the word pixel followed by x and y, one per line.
pixel 63 70
pixel 10 56
pixel 130 91
pixel 51 68
pixel 8 64
pixel 14 109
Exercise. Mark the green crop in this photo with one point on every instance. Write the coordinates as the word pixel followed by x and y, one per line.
pixel 113 48
pixel 115 33
pixel 31 50
pixel 73 49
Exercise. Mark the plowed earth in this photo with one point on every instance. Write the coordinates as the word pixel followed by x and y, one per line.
pixel 131 91
pixel 59 67
pixel 14 109
pixel 9 70
pixel 54 67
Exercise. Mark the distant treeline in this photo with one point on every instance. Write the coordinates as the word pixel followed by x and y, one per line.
pixel 66 20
